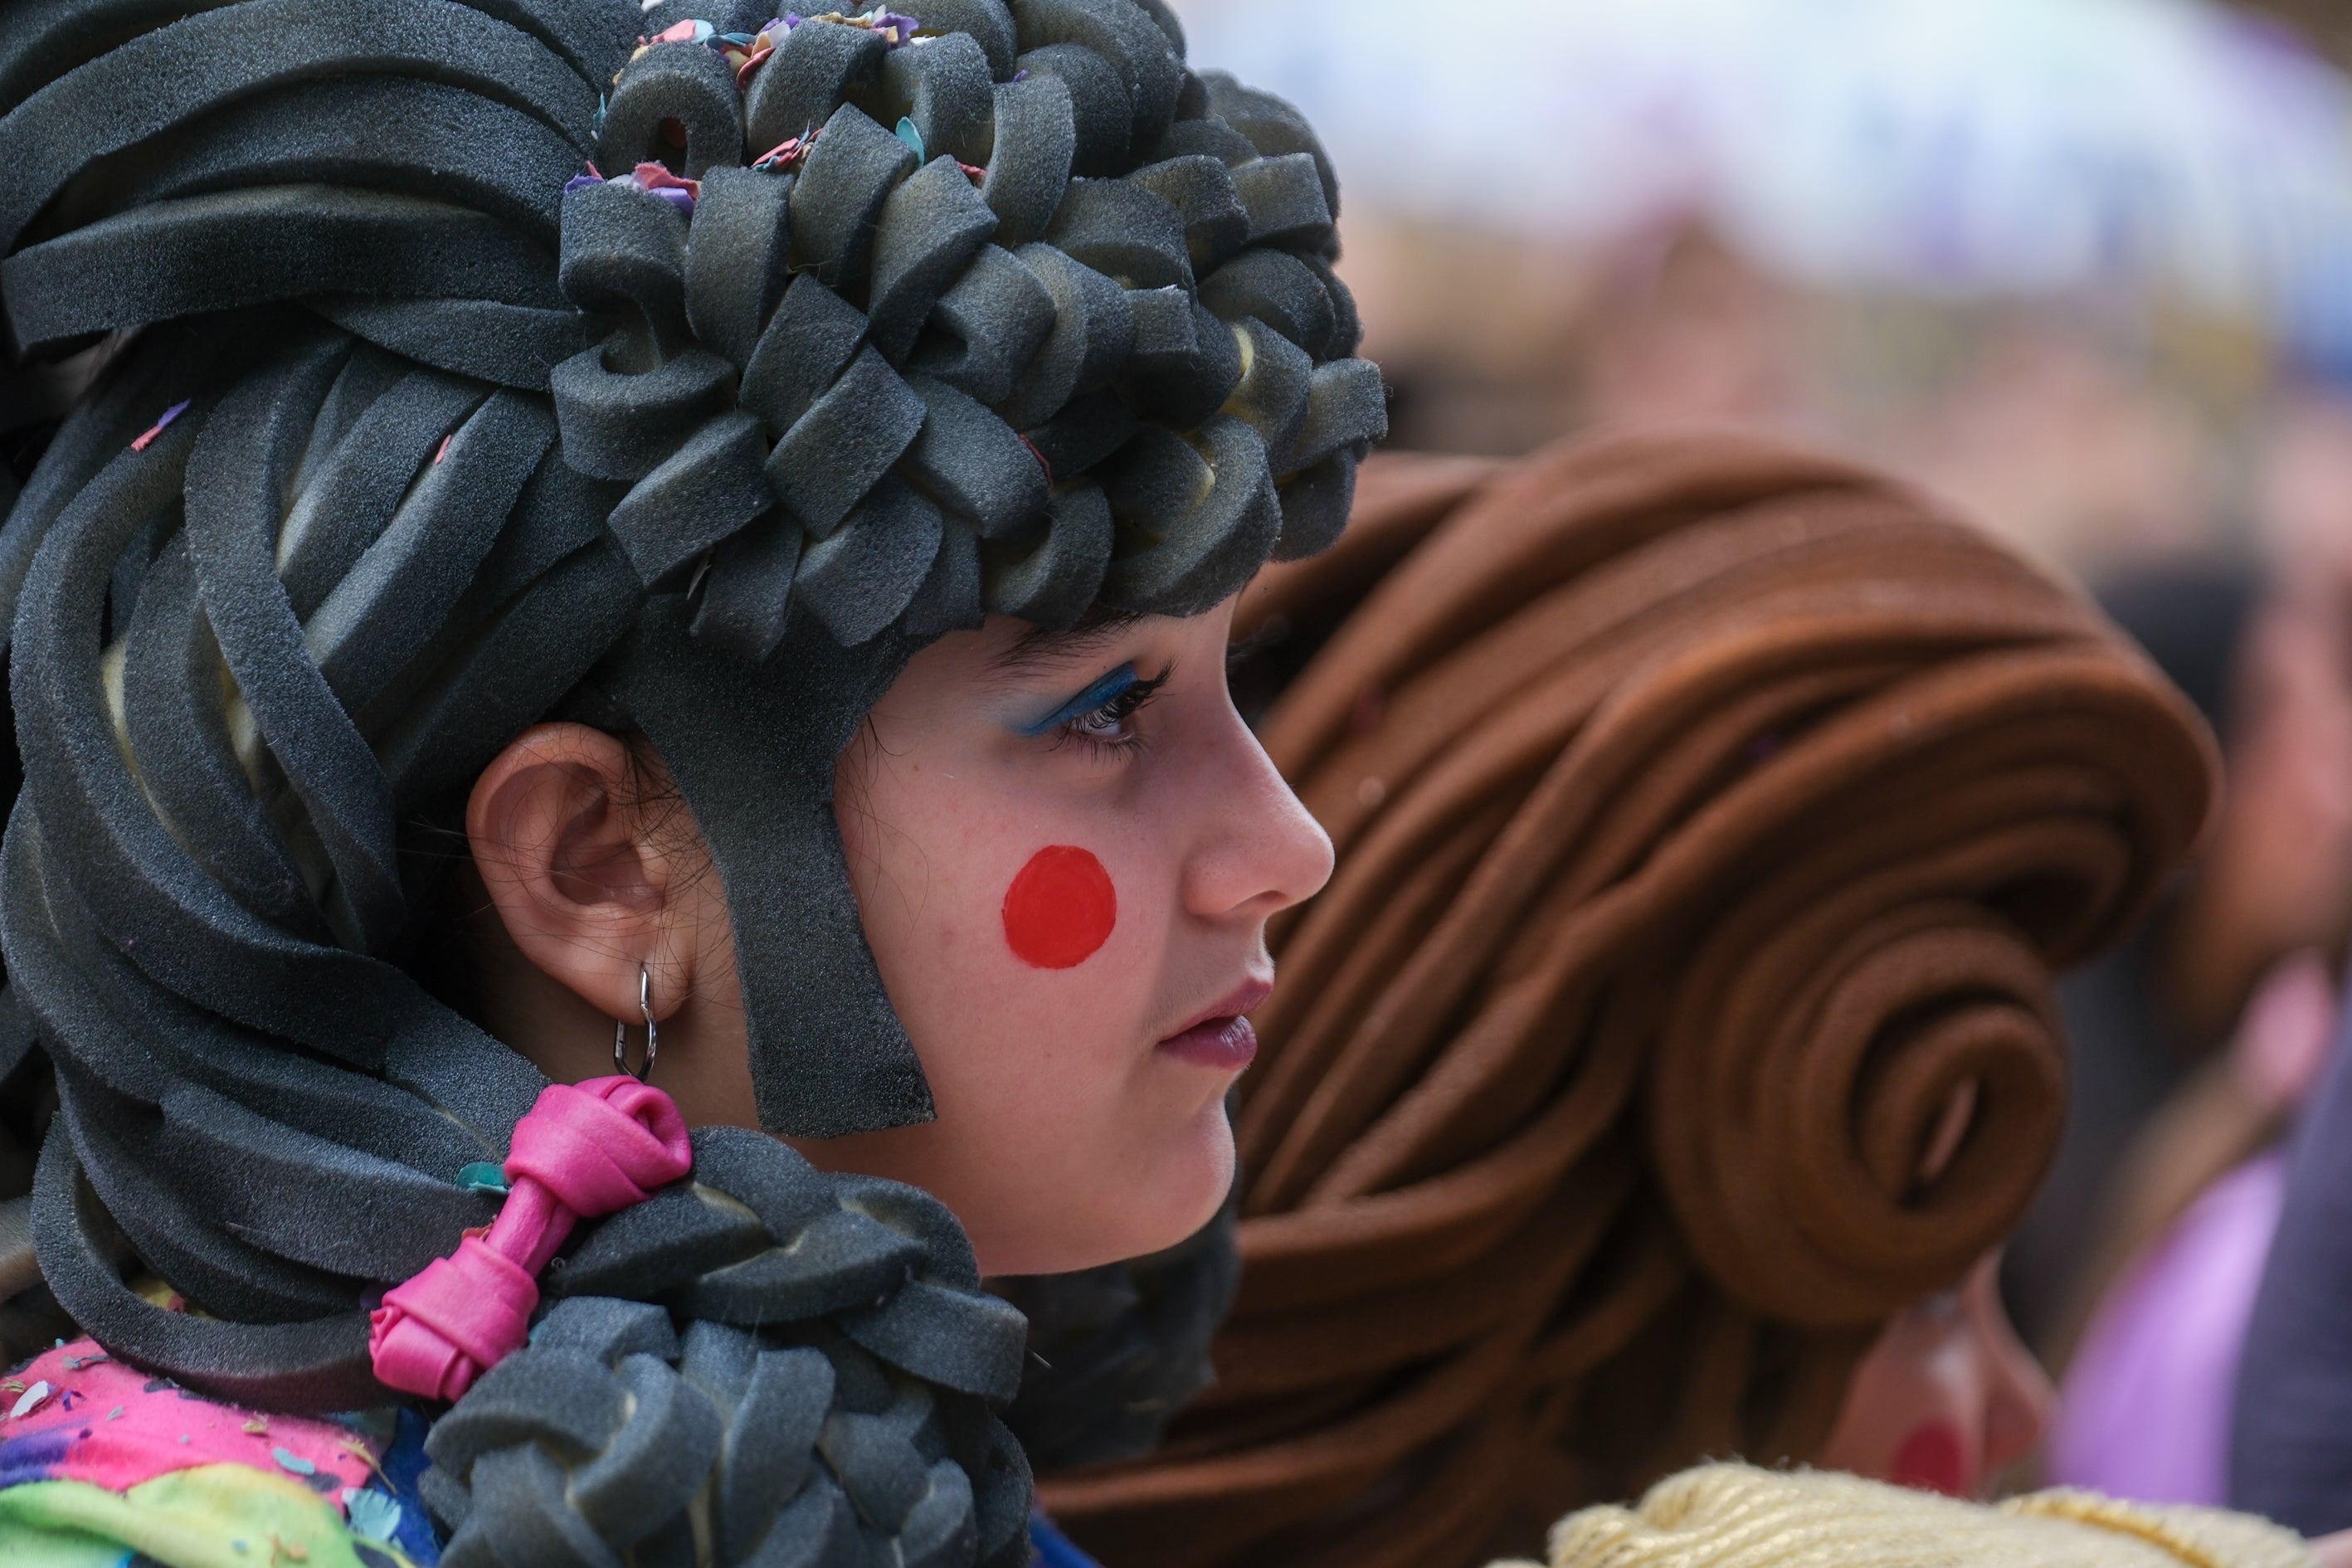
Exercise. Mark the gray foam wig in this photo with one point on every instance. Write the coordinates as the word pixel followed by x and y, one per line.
pixel 417 429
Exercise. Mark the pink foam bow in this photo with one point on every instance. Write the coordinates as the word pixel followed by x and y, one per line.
pixel 585 1150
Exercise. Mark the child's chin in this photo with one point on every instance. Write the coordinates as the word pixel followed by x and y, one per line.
pixel 1200 1173
pixel 1172 1200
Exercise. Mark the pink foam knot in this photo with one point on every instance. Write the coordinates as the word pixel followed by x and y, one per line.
pixel 583 1151
pixel 601 1146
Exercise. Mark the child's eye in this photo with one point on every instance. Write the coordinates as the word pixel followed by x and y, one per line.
pixel 1111 724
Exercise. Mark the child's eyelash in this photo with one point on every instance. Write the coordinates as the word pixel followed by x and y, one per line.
pixel 1117 712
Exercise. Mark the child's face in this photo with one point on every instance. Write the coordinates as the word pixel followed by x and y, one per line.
pixel 1946 1399
pixel 1065 851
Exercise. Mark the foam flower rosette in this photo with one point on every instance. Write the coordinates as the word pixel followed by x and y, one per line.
pixel 900 320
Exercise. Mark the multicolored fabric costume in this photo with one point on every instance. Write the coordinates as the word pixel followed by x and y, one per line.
pixel 102 1466
pixel 98 1460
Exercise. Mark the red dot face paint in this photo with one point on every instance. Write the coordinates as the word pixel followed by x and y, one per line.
pixel 1934 1459
pixel 1060 909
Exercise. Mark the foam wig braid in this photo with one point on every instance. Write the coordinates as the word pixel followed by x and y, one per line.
pixel 404 445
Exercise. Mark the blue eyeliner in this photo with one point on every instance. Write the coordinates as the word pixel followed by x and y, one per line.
pixel 1085 701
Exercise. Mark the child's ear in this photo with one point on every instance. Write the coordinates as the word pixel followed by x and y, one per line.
pixel 570 857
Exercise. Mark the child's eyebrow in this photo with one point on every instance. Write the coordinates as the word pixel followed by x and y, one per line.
pixel 1038 647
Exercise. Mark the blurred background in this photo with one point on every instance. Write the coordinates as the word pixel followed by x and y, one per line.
pixel 2083 267
pixel 2079 264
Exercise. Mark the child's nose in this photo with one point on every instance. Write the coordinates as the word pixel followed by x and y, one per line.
pixel 1268 853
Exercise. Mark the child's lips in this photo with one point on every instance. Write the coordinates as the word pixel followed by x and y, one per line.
pixel 1221 1038
pixel 1228 1044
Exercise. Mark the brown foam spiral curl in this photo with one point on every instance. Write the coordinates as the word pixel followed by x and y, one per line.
pixel 1711 819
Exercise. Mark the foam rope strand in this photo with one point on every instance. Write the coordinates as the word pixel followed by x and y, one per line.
pixel 501 680
pixel 825 1039
pixel 367 375
pixel 131 393
pixel 990 323
pixel 1222 515
pixel 509 345
pixel 686 88
pixel 465 1079
pixel 990 24
pixel 55 995
pixel 811 72
pixel 1036 141
pixel 146 86
pixel 737 259
pixel 947 90
pixel 98 996
pixel 312 1098
pixel 218 1271
pixel 316 1367
pixel 150 264
pixel 346 498
pixel 1091 336
pixel 1117 1351
pixel 1149 68
pixel 213 1266
pixel 1711 820
pixel 930 228
pixel 43 43
pixel 304 1197
pixel 108 1116
pixel 561 512
pixel 1202 191
pixel 233 506
pixel 418 701
pixel 52 39
pixel 851 170
pixel 174 726
pixel 16 1031
pixel 1272 128
pixel 463 1075
pixel 1123 230
pixel 589 38
pixel 169 916
pixel 422 139
pixel 387 608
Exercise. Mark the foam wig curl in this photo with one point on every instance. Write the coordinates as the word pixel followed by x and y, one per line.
pixel 415 428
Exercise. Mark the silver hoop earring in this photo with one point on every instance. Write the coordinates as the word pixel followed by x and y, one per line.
pixel 653 1035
